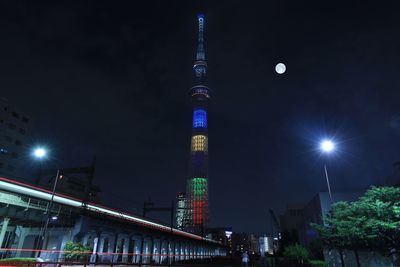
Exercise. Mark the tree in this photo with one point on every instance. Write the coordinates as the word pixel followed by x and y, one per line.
pixel 372 222
pixel 339 230
pixel 76 251
pixel 381 208
pixel 297 252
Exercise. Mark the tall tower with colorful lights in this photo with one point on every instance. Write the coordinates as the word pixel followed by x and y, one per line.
pixel 197 184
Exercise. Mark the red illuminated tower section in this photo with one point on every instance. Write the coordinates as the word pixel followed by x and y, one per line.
pixel 197 208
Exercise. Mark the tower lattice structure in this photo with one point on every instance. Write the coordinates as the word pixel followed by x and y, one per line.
pixel 197 214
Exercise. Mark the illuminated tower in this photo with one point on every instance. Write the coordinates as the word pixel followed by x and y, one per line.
pixel 197 191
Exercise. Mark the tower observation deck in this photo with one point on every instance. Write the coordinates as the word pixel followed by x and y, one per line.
pixel 197 214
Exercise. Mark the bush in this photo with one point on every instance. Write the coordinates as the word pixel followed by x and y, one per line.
pixel 317 263
pixel 296 252
pixel 21 262
pixel 76 251
pixel 18 259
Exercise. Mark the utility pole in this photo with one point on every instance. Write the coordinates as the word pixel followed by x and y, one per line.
pixel 149 206
pixel 42 240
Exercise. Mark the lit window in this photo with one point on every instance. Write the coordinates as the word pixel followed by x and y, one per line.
pixel 199 187
pixel 201 91
pixel 199 118
pixel 199 143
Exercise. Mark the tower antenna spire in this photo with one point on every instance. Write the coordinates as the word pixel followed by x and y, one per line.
pixel 200 65
pixel 200 55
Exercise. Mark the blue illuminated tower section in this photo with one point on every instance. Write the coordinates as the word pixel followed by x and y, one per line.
pixel 197 208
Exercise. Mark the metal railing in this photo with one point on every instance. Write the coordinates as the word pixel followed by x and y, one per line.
pixel 30 203
pixel 86 258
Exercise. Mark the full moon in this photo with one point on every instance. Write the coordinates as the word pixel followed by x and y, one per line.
pixel 280 68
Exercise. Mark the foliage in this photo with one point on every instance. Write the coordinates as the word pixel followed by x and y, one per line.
pixel 317 263
pixel 371 222
pixel 296 252
pixel 22 262
pixel 76 251
pixel 381 208
pixel 343 227
pixel 18 259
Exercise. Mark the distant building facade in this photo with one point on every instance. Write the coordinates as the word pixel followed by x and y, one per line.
pixel 15 138
pixel 221 234
pixel 242 242
pixel 266 244
pixel 180 210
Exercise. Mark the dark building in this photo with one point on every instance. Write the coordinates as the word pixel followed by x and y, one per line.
pixel 196 218
pixel 220 234
pixel 15 138
pixel 291 223
pixel 244 242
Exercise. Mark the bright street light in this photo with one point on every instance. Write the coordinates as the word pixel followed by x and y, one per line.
pixel 40 152
pixel 327 146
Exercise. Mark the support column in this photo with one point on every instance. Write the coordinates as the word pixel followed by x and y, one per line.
pixel 197 252
pixel 156 251
pixel 131 250
pixel 3 231
pixel 122 249
pixel 160 251
pixel 171 251
pixel 138 249
pixel 182 251
pixel 187 254
pixel 143 249
pixel 177 251
pixel 96 244
pixel 151 252
pixel 114 257
pixel 163 250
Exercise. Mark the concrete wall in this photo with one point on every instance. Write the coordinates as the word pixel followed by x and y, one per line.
pixel 367 259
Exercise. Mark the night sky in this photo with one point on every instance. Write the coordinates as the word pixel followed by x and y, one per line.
pixel 111 78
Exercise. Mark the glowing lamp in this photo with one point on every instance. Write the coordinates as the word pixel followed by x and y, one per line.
pixel 40 152
pixel 327 146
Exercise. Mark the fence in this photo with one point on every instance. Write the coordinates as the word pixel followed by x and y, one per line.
pixel 32 257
